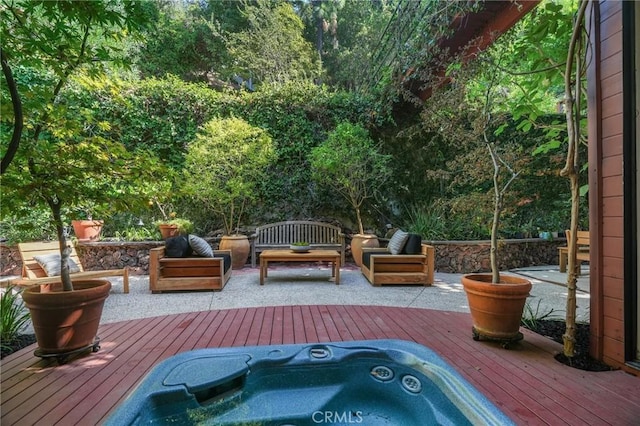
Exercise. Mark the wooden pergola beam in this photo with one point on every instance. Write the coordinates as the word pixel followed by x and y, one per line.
pixel 478 30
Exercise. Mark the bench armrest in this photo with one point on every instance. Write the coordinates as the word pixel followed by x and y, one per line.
pixel 155 254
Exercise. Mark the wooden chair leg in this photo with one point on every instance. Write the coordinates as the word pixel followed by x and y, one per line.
pixel 563 261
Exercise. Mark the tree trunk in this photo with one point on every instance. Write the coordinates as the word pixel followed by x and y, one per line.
pixel 65 251
pixel 571 168
pixel 359 220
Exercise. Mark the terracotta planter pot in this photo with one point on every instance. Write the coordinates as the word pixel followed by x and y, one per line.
pixel 87 230
pixel 360 241
pixel 65 321
pixel 496 309
pixel 168 231
pixel 240 248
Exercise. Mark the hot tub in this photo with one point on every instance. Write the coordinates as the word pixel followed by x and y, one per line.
pixel 373 382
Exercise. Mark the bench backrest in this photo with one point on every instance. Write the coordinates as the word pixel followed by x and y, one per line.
pixel 31 268
pixel 583 237
pixel 289 232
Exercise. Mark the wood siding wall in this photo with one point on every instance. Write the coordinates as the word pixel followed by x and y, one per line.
pixel 606 182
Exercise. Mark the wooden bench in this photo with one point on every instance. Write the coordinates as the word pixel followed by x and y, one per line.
pixel 281 235
pixel 189 273
pixel 381 267
pixel 33 274
pixel 582 253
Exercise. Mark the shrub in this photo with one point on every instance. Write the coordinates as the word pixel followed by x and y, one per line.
pixel 223 166
pixel 13 315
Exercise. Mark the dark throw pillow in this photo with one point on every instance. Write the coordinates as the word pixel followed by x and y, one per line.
pixel 413 245
pixel 177 247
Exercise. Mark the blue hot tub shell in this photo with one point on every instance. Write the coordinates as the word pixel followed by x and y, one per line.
pixel 373 382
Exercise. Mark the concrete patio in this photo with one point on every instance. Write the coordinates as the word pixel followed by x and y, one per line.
pixel 311 285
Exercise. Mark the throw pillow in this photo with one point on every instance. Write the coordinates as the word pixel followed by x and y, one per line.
pixel 200 246
pixel 177 247
pixel 397 241
pixel 413 245
pixel 51 264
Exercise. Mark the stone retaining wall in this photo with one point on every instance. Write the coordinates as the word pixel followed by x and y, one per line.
pixel 473 256
pixel 451 256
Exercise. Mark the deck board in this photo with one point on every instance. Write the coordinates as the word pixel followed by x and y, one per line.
pixel 525 382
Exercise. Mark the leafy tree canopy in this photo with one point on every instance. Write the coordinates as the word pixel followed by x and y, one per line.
pixel 272 49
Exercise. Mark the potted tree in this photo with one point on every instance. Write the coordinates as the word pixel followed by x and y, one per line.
pixel 165 192
pixel 62 162
pixel 351 163
pixel 170 225
pixel 85 227
pixel 465 111
pixel 75 171
pixel 56 173
pixel 223 166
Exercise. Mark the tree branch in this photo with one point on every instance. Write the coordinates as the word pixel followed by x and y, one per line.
pixel 18 119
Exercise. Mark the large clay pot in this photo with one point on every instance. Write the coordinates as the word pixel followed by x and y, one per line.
pixel 66 320
pixel 87 230
pixel 360 241
pixel 240 248
pixel 496 309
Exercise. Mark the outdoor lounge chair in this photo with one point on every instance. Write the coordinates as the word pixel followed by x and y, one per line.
pixel 34 274
pixel 188 273
pixel 408 263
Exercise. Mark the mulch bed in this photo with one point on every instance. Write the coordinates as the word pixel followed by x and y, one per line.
pixel 554 330
pixel 18 343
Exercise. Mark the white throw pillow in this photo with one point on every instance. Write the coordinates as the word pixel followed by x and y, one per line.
pixel 200 246
pixel 397 241
pixel 51 264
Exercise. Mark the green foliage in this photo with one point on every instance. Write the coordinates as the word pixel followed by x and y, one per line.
pixel 351 163
pixel 223 166
pixel 70 167
pixel 26 223
pixel 272 48
pixel 185 226
pixel 13 315
pixel 532 316
pixel 161 115
pixel 137 233
pixel 59 39
pixel 189 40
pixel 361 26
pixel 429 221
pixel 64 35
pixel 447 220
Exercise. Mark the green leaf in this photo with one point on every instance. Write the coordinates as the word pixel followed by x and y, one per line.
pixel 584 190
pixel 546 147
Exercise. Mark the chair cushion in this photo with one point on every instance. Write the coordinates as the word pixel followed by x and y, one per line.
pixel 200 246
pixel 413 244
pixel 51 264
pixel 177 247
pixel 366 256
pixel 397 241
pixel 226 261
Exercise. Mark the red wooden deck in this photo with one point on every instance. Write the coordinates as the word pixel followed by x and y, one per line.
pixel 525 382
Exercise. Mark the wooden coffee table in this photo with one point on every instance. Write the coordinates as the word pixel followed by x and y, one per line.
pixel 285 255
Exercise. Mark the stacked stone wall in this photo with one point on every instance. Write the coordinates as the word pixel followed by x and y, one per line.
pixel 451 256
